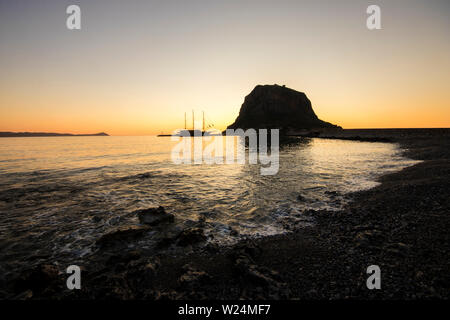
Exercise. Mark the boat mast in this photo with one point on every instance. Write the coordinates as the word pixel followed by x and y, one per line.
pixel 193 126
pixel 185 121
pixel 203 121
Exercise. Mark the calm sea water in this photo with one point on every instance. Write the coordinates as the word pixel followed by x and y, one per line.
pixel 52 188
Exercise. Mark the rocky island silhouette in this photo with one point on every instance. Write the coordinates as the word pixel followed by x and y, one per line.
pixel 279 107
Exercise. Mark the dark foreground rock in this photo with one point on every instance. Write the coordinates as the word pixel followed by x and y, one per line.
pixel 154 216
pixel 191 236
pixel 41 280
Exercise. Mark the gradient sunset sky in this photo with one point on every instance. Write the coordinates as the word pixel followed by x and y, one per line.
pixel 135 66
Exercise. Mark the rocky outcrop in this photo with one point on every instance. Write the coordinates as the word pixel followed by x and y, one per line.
pixel 41 280
pixel 122 235
pixel 191 236
pixel 154 216
pixel 278 107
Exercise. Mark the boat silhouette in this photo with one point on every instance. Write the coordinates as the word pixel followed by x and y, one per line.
pixel 194 132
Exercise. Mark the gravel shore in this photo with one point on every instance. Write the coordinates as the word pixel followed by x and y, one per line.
pixel 402 226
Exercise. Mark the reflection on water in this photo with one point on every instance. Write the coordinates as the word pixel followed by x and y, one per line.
pixel 59 194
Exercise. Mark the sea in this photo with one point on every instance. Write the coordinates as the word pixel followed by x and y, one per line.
pixel 59 195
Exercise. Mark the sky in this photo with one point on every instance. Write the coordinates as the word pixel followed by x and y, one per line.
pixel 136 67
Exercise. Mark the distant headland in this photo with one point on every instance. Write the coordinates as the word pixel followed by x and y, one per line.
pixel 7 134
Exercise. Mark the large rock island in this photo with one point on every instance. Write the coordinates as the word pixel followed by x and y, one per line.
pixel 278 107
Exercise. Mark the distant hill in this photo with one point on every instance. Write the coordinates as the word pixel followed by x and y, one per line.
pixel 48 134
pixel 274 106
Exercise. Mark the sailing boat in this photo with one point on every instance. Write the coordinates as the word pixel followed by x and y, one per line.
pixel 194 132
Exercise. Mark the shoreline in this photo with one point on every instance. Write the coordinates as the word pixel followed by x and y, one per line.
pixel 400 225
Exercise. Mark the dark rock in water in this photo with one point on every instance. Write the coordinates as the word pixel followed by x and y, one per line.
pixel 124 234
pixel 277 107
pixel 154 216
pixel 234 232
pixel 96 219
pixel 167 236
pixel 191 236
pixel 331 193
pixel 301 198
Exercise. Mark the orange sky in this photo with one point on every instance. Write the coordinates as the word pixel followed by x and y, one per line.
pixel 136 67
